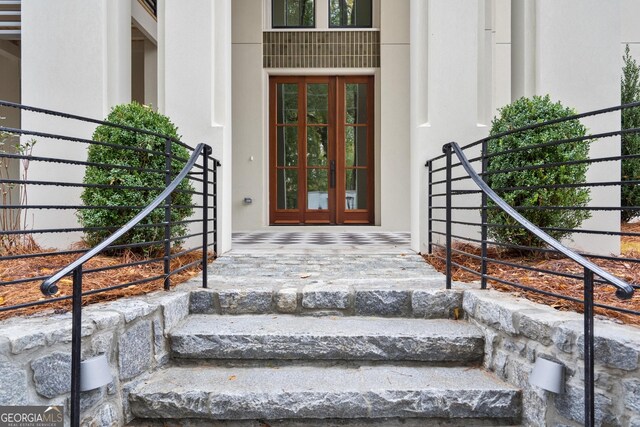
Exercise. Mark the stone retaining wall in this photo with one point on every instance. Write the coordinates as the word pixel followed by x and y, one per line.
pixel 517 331
pixel 35 353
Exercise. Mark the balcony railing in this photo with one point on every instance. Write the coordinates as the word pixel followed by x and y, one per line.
pixel 10 19
pixel 151 6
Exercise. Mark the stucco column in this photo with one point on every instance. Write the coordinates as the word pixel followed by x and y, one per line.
pixel 448 55
pixel 523 48
pixel 194 90
pixel 76 57
pixel 578 63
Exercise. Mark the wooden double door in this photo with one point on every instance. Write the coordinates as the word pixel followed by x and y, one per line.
pixel 321 150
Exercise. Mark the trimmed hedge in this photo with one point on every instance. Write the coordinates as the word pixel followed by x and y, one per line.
pixel 520 113
pixel 140 117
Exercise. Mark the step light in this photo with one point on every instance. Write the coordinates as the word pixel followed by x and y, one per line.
pixel 94 373
pixel 548 375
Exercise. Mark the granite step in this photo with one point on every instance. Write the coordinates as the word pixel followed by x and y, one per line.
pixel 299 392
pixel 262 337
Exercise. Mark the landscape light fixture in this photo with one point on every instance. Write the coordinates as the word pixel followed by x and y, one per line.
pixel 548 375
pixel 94 373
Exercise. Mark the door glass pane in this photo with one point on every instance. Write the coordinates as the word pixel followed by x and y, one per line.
pixel 356 103
pixel 355 145
pixel 287 188
pixel 317 189
pixel 287 145
pixel 317 145
pixel 317 103
pixel 287 103
pixel 356 189
pixel 293 13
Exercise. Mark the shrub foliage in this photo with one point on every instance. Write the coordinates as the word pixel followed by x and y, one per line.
pixel 630 92
pixel 520 113
pixel 140 117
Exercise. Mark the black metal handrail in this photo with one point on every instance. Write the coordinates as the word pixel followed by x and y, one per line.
pixel 158 247
pixel 623 289
pixel 592 274
pixel 49 287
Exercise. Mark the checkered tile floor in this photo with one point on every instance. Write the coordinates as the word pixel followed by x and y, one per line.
pixel 321 238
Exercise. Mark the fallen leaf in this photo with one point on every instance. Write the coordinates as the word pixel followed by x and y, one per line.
pixel 305 276
pixel 232 378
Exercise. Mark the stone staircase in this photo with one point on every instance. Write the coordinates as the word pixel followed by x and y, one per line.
pixel 333 339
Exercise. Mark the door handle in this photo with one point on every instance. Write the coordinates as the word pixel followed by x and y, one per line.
pixel 332 174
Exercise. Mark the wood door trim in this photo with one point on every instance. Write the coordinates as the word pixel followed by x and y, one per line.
pixel 337 214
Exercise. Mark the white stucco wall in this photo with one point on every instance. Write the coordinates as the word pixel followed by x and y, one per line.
pixel 578 63
pixel 394 100
pixel 250 113
pixel 535 49
pixel 447 95
pixel 250 145
pixel 630 29
pixel 80 69
pixel 194 60
pixel 9 91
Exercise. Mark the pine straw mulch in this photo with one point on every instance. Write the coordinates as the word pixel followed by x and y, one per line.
pixel 11 295
pixel 604 294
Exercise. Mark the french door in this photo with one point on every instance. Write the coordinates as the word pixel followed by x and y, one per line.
pixel 321 150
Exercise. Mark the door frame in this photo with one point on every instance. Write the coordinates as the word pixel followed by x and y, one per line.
pixel 336 213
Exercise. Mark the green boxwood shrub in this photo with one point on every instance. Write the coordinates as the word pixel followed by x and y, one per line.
pixel 630 92
pixel 520 113
pixel 140 117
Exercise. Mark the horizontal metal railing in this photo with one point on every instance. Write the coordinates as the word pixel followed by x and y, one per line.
pixel 20 238
pixel 21 227
pixel 10 19
pixel 459 227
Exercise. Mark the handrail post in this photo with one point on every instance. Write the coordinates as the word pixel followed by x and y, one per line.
pixel 429 164
pixel 205 212
pixel 167 217
pixel 447 151
pixel 76 346
pixel 589 389
pixel 215 208
pixel 483 215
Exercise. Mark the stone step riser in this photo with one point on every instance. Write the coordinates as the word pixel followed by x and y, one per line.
pixel 311 393
pixel 426 301
pixel 362 422
pixel 286 337
pixel 328 348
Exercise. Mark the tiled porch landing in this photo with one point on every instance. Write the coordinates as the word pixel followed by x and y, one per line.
pixel 296 239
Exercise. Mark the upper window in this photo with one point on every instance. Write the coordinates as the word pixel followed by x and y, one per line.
pixel 350 13
pixel 293 14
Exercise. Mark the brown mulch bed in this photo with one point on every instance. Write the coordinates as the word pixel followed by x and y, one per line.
pixel 604 294
pixel 11 295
